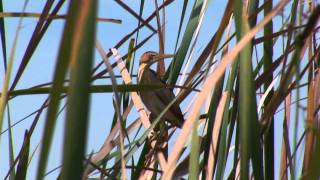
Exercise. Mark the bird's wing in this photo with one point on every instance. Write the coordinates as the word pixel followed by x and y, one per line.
pixel 166 96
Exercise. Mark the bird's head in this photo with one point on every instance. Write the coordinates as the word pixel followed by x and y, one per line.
pixel 151 57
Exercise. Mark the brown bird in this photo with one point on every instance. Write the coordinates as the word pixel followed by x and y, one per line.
pixel 155 101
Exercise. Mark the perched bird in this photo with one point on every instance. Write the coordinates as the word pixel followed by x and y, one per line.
pixel 155 101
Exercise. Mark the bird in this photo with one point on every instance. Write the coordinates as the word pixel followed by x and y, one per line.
pixel 156 100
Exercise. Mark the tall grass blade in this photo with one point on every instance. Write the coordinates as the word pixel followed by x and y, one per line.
pixel 3 38
pixel 11 144
pixel 250 147
pixel 267 60
pixel 194 154
pixel 24 158
pixel 178 60
pixel 63 61
pixel 38 33
pixel 7 76
pixel 81 61
pixel 183 12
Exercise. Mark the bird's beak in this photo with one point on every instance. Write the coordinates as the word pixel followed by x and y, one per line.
pixel 161 56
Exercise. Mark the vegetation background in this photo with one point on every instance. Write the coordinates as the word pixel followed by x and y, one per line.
pixel 245 72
